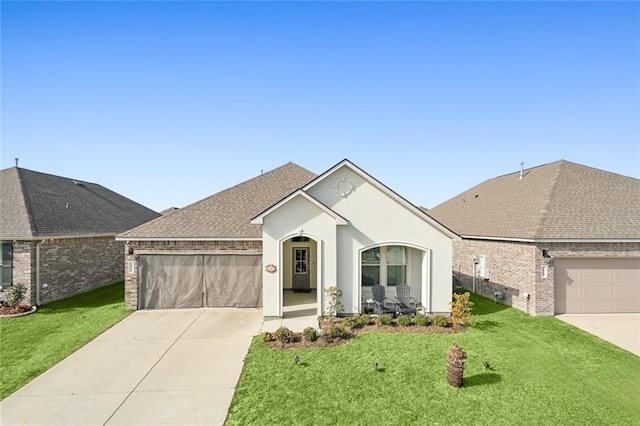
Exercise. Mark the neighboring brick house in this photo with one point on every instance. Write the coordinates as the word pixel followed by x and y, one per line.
pixel 557 238
pixel 58 234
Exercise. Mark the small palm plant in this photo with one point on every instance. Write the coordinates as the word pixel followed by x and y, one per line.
pixel 456 358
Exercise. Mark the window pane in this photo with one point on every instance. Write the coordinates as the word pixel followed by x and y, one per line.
pixel 371 256
pixel 370 275
pixel 396 275
pixel 395 255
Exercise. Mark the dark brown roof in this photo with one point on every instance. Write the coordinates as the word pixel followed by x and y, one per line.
pixel 560 200
pixel 228 213
pixel 34 205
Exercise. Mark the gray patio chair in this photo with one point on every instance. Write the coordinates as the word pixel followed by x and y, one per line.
pixel 405 304
pixel 379 300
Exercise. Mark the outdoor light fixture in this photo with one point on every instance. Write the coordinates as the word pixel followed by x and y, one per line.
pixel 130 251
pixel 547 257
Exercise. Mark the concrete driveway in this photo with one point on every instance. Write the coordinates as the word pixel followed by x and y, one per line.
pixel 162 367
pixel 623 330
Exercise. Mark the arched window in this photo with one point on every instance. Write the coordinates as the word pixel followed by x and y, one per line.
pixel 386 265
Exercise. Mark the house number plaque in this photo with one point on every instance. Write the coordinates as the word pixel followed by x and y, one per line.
pixel 271 268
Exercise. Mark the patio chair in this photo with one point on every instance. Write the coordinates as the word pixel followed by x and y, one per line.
pixel 405 304
pixel 380 300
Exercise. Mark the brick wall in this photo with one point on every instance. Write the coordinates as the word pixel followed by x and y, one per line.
pixel 75 265
pixel 23 273
pixel 516 268
pixel 175 247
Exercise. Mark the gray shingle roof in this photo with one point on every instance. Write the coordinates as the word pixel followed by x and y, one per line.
pixel 34 205
pixel 228 213
pixel 560 200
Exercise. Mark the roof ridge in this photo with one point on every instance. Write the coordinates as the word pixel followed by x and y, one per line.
pixel 55 176
pixel 544 213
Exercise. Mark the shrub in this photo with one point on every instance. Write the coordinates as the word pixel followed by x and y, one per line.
pixel 461 309
pixel 385 319
pixel 421 320
pixel 284 335
pixel 404 320
pixel 364 319
pixel 267 336
pixel 15 294
pixel 351 322
pixel 335 331
pixel 440 321
pixel 309 334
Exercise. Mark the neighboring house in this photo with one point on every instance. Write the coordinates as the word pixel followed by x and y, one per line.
pixel 558 238
pixel 290 229
pixel 58 234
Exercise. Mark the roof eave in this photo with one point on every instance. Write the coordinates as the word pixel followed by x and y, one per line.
pixel 134 238
pixel 259 219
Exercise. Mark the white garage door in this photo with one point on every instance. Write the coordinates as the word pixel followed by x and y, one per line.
pixel 194 281
pixel 587 286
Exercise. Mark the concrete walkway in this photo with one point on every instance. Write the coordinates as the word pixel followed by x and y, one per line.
pixel 623 330
pixel 156 367
pixel 177 367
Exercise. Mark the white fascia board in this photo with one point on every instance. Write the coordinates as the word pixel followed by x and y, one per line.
pixel 258 220
pixel 130 238
pixel 588 240
pixel 386 190
pixel 476 237
pixel 56 237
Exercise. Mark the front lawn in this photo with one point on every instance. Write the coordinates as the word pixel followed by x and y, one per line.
pixel 33 343
pixel 543 372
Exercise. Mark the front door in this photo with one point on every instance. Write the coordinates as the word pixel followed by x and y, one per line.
pixel 301 279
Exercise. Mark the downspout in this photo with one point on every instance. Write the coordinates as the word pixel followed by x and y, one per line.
pixel 38 272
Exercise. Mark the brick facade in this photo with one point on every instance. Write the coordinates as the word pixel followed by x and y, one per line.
pixel 175 247
pixel 516 268
pixel 66 266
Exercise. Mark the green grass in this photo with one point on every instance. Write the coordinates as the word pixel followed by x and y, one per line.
pixel 34 343
pixel 544 372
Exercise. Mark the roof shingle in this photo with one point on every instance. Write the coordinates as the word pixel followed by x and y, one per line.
pixel 226 214
pixel 560 200
pixel 34 205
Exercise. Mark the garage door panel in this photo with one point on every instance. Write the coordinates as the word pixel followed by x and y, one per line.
pixel 170 282
pixel 597 285
pixel 233 281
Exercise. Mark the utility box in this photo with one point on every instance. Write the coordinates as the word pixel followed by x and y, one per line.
pixel 483 267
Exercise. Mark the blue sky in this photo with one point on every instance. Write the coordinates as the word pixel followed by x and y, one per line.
pixel 169 102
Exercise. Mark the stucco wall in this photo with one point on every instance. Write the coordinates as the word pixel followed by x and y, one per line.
pixel 375 218
pixel 175 247
pixel 299 217
pixel 516 268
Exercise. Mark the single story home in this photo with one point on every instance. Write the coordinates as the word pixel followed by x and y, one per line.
pixel 289 229
pixel 57 235
pixel 557 238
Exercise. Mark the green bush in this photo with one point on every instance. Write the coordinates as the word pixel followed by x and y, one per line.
pixel 15 294
pixel 440 321
pixel 421 320
pixel 364 319
pixel 404 320
pixel 284 335
pixel 385 319
pixel 335 331
pixel 309 334
pixel 266 336
pixel 351 322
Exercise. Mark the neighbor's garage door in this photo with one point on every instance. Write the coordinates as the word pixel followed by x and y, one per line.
pixel 194 281
pixel 597 286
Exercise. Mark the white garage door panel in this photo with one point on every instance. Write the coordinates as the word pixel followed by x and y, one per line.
pixel 597 285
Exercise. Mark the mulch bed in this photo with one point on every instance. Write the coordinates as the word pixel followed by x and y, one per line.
pixel 20 309
pixel 352 333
